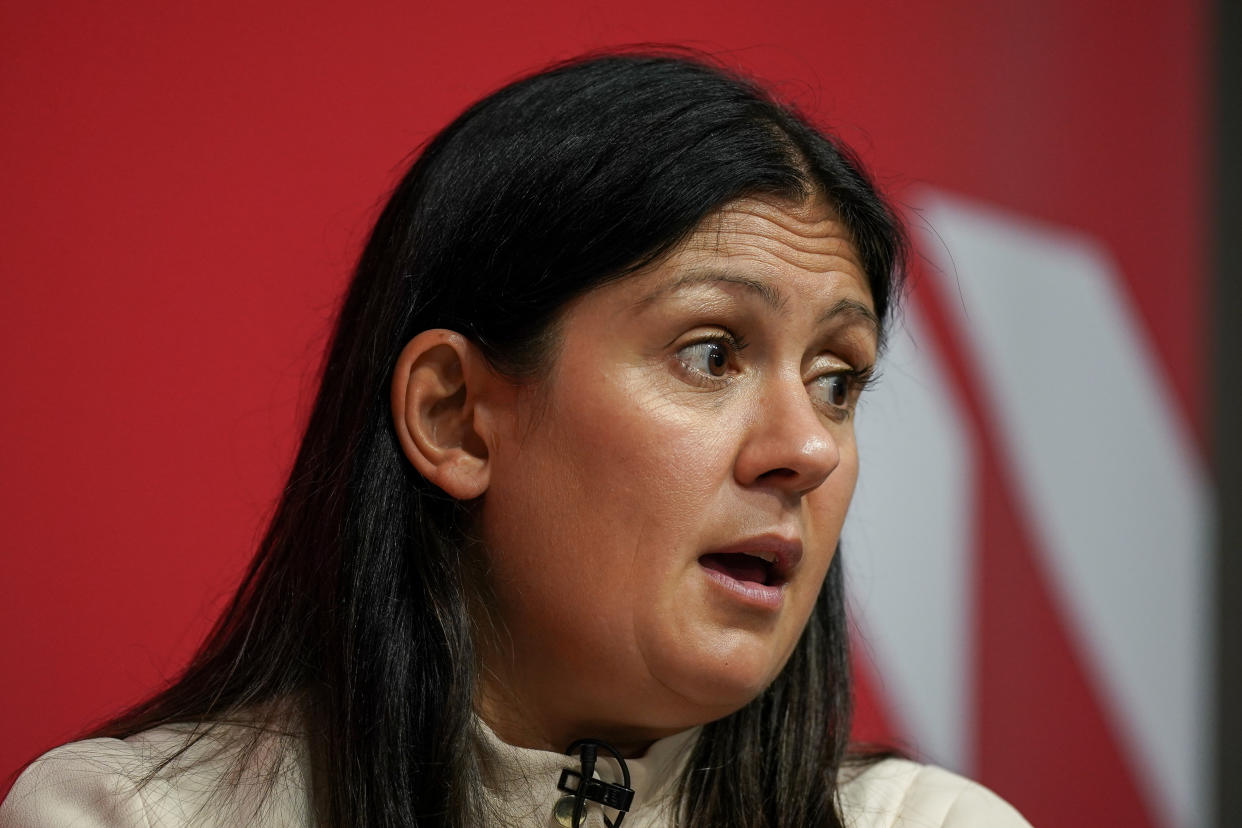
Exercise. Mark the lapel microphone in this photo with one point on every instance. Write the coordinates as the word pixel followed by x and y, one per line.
pixel 608 794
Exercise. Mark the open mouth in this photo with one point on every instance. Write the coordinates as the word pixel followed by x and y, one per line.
pixel 755 570
pixel 743 568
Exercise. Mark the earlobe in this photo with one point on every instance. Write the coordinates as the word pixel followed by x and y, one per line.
pixel 435 395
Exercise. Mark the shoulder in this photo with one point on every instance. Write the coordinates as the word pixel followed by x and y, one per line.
pixel 84 783
pixel 899 793
pixel 149 781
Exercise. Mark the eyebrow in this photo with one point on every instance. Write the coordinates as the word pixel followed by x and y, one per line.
pixel 770 296
pixel 851 309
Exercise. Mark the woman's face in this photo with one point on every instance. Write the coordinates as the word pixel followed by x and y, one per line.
pixel 663 506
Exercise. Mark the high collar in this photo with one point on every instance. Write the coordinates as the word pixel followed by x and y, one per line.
pixel 521 783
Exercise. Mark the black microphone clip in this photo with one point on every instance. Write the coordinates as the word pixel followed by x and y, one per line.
pixel 609 794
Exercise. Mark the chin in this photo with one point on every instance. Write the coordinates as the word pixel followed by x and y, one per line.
pixel 718 681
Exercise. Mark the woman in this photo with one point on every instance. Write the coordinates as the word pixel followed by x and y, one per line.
pixel 576 471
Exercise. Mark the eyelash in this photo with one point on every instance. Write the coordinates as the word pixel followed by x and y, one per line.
pixel 857 379
pixel 733 344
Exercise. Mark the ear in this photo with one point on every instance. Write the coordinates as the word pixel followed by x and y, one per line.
pixel 437 388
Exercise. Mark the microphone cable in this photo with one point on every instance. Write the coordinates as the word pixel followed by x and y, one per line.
pixel 618 797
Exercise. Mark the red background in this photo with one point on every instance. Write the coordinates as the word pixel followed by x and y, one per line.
pixel 186 186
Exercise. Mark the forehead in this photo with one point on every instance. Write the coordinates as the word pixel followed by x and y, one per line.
pixel 777 248
pixel 808 235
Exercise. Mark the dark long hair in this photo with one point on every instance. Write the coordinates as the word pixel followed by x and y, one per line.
pixel 354 610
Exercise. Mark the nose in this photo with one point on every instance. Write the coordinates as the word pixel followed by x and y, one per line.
pixel 788 445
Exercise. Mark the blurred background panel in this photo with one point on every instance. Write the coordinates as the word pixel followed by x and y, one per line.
pixel 1031 553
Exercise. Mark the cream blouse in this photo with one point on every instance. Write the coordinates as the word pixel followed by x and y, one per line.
pixel 91 784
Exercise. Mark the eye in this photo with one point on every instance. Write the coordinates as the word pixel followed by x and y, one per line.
pixel 711 358
pixel 838 391
pixel 834 389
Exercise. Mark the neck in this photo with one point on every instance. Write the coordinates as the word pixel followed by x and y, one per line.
pixel 527 726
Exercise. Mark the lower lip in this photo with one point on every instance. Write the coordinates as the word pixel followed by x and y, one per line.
pixel 761 596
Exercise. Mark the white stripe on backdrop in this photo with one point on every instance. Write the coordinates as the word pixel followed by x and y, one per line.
pixel 1105 472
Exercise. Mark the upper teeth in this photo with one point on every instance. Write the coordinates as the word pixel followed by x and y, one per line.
pixel 768 557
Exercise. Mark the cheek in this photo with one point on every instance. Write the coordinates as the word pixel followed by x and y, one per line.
pixel 632 461
pixel 827 506
pixel 602 495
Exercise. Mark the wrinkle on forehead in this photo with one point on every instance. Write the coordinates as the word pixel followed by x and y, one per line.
pixel 808 234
